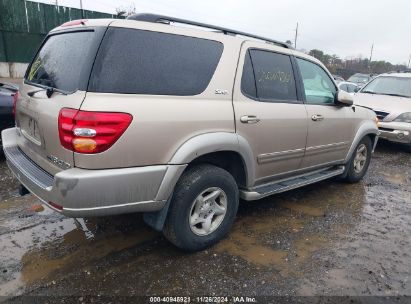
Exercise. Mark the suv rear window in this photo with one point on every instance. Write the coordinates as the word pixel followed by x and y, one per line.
pixel 64 61
pixel 134 61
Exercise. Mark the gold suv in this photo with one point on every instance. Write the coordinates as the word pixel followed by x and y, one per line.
pixel 178 122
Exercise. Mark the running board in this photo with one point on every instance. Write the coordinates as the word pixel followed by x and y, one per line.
pixel 289 184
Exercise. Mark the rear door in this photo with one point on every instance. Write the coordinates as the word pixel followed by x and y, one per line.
pixel 64 62
pixel 269 114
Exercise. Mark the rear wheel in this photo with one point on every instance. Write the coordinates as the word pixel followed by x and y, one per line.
pixel 360 160
pixel 203 208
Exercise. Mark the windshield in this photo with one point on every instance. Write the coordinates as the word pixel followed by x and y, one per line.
pixel 358 78
pixel 60 62
pixel 398 86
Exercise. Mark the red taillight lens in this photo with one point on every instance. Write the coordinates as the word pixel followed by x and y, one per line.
pixel 91 132
pixel 15 98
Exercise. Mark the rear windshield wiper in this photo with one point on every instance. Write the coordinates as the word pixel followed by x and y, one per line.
pixel 9 86
pixel 50 91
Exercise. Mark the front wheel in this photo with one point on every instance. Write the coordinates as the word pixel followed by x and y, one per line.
pixel 203 208
pixel 360 160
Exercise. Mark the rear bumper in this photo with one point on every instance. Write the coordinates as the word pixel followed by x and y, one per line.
pixel 399 132
pixel 83 193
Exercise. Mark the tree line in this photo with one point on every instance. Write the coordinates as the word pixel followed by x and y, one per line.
pixel 347 67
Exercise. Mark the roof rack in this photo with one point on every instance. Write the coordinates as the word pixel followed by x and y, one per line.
pixel 154 18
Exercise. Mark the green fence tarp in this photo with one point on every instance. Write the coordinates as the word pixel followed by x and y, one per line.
pixel 24 24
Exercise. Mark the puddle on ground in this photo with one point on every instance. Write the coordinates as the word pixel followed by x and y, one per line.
pixel 396 178
pixel 282 231
pixel 54 244
pixel 8 184
pixel 305 208
pixel 247 247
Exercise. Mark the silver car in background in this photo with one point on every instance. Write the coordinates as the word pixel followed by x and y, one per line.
pixel 389 96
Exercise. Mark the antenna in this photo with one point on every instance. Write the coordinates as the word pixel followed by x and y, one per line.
pixel 296 35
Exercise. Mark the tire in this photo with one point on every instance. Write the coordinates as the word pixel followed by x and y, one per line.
pixel 199 182
pixel 356 171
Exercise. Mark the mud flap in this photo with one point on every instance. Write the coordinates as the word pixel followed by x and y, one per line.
pixel 156 220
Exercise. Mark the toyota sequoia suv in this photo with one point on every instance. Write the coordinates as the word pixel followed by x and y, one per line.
pixel 179 123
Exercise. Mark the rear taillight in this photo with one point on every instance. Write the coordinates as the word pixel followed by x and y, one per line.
pixel 15 98
pixel 91 132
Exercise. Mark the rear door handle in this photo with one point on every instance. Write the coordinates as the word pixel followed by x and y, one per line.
pixel 250 119
pixel 317 117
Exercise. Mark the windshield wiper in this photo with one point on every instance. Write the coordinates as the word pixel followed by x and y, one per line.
pixel 49 91
pixel 368 92
pixel 397 95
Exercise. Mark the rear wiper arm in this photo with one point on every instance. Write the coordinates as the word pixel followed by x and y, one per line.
pixel 9 86
pixel 50 91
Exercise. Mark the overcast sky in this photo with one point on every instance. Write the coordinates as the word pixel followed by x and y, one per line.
pixel 346 27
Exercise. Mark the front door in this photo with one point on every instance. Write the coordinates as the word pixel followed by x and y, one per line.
pixel 329 127
pixel 268 113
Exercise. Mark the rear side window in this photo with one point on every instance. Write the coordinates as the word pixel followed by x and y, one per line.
pixel 143 62
pixel 63 61
pixel 273 74
pixel 248 80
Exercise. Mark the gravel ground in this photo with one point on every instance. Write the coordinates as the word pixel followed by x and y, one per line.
pixel 327 239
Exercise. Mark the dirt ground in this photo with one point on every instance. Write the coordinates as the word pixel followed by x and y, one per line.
pixel 328 239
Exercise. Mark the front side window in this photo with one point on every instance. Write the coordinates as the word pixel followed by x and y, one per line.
pixel 318 86
pixel 134 61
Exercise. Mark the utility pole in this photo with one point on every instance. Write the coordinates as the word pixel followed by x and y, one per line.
pixel 81 8
pixel 296 35
pixel 372 50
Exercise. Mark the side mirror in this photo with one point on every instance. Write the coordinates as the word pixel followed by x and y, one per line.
pixel 344 98
pixel 357 89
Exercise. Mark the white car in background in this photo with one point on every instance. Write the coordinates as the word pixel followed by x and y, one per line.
pixel 389 96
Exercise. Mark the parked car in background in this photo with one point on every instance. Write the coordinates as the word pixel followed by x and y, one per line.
pixel 360 79
pixel 349 87
pixel 389 96
pixel 178 123
pixel 8 98
pixel 338 79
